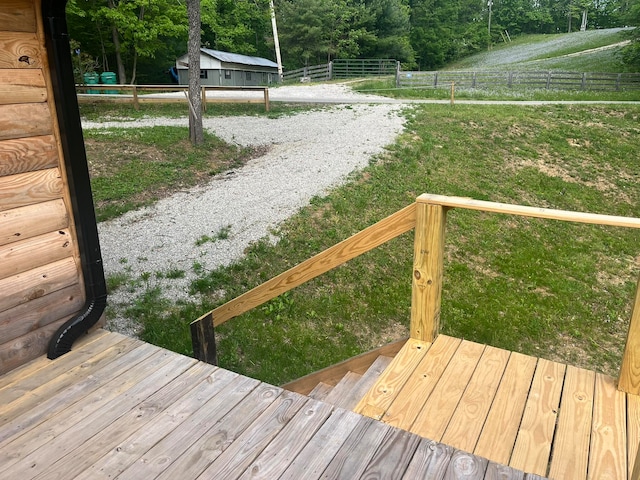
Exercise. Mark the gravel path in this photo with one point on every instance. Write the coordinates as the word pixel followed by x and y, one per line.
pixel 308 154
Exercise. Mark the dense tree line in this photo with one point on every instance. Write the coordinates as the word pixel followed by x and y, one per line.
pixel 140 39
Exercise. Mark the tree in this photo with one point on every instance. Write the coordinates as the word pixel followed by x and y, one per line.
pixel 126 29
pixel 631 53
pixel 196 133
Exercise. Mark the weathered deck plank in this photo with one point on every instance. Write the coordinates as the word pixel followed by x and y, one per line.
pixel 320 450
pixel 143 412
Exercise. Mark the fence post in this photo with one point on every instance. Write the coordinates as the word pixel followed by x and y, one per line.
pixel 435 80
pixel 473 83
pixel 204 341
pixel 584 80
pixel 548 79
pixel 428 266
pixel 267 106
pixel 629 379
pixel 510 81
pixel 618 82
pixel 397 74
pixel 136 105
pixel 204 98
pixel 330 70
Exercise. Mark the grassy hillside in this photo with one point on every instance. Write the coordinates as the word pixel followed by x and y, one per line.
pixel 593 50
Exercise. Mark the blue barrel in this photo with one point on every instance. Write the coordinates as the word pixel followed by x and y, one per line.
pixel 109 78
pixel 91 79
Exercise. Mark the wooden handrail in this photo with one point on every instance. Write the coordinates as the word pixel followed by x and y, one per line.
pixel 536 212
pixel 394 225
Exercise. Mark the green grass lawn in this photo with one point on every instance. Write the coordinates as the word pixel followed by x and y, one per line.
pixel 556 290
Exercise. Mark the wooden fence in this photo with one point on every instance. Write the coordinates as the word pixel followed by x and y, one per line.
pixel 144 94
pixel 526 79
pixel 345 68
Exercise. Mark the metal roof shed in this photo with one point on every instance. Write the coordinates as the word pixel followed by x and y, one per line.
pixel 229 69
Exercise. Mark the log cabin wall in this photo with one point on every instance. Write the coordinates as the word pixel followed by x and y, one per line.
pixel 41 283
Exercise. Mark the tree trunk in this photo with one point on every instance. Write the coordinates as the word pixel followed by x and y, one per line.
pixel 196 134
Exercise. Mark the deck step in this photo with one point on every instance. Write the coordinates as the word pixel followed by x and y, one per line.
pixel 343 388
pixel 352 387
pixel 320 391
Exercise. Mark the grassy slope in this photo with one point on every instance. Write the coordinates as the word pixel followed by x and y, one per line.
pixel 543 52
pixel 551 289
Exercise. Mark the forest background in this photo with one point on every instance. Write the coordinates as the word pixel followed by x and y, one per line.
pixel 140 39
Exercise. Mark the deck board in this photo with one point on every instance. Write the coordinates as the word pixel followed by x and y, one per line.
pixel 143 412
pixel 433 419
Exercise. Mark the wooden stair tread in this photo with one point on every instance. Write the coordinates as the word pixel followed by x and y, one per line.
pixel 343 387
pixel 320 391
pixel 351 399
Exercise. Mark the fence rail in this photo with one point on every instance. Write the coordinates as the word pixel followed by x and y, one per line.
pixel 527 79
pixel 140 94
pixel 345 68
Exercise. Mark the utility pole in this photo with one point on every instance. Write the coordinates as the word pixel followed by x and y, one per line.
pixel 276 41
pixel 489 4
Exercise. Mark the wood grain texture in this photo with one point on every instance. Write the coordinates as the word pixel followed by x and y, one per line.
pixel 22 86
pixel 357 451
pixel 351 399
pixel 376 402
pixel 393 456
pixel 132 448
pixel 28 154
pixel 278 455
pixel 141 417
pixel 239 455
pixel 19 50
pixel 496 471
pixel 464 466
pixel 19 224
pixel 17 16
pixel 469 417
pixel 25 120
pixel 37 283
pixel 25 395
pixel 430 460
pixel 570 455
pixel 428 269
pixel 27 347
pixel 320 450
pixel 633 435
pixel 188 449
pixel 629 379
pixel 407 405
pixel 501 428
pixel 368 239
pixel 53 440
pixel 536 212
pixel 30 188
pixel 35 252
pixel 440 406
pixel 607 452
pixel 28 317
pixel 533 443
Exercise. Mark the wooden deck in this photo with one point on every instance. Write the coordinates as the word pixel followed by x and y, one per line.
pixel 116 407
pixel 534 415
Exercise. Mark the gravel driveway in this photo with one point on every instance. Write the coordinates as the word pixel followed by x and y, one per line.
pixel 308 153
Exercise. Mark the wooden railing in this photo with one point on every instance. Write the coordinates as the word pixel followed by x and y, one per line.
pixel 136 98
pixel 428 216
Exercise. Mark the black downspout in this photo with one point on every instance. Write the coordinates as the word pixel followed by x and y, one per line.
pixel 75 160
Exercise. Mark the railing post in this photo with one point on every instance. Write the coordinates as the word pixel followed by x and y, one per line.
pixel 136 104
pixel 428 266
pixel 267 106
pixel 204 98
pixel 203 340
pixel 629 379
